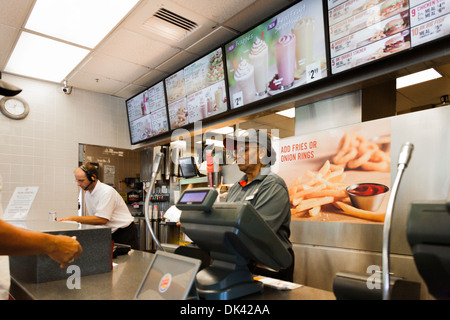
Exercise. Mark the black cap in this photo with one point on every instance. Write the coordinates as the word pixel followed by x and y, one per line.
pixel 260 137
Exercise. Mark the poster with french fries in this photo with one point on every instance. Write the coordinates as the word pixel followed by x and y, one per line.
pixel 338 175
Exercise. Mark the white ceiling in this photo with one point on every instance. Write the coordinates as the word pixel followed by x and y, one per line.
pixel 130 59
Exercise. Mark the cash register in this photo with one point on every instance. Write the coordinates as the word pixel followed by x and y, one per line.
pixel 233 234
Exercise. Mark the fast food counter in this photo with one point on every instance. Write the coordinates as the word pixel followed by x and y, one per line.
pixel 323 247
pixel 124 280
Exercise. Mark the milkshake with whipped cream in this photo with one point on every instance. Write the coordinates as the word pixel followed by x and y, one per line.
pixel 285 55
pixel 244 77
pixel 304 46
pixel 259 58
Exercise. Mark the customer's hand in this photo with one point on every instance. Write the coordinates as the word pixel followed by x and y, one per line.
pixel 64 250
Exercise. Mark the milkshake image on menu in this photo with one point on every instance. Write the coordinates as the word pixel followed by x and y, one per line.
pixel 203 108
pixel 285 55
pixel 304 44
pixel 259 58
pixel 244 77
pixel 218 96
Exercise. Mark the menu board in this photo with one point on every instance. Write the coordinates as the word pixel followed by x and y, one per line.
pixel 147 114
pixel 280 54
pixel 430 20
pixel 198 91
pixel 366 30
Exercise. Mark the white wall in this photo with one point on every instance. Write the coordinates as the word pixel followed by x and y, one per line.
pixel 42 150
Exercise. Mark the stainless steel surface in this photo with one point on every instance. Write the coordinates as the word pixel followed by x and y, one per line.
pixel 428 175
pixel 405 154
pixel 322 249
pixel 316 266
pixel 329 113
pixel 155 169
pixel 120 284
pixel 146 157
pixel 123 282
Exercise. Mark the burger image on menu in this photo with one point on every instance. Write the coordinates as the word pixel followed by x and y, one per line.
pixel 391 7
pixel 395 44
pixel 394 26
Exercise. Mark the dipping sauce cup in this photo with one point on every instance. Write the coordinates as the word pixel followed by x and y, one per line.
pixel 367 196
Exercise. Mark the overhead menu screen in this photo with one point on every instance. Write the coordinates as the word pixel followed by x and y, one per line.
pixel 361 31
pixel 147 114
pixel 282 53
pixel 197 91
pixel 430 20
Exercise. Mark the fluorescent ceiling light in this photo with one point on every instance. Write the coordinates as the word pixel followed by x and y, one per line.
pixel 224 130
pixel 290 113
pixel 43 58
pixel 417 77
pixel 83 22
pixel 214 142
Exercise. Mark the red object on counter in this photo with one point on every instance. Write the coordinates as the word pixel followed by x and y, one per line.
pixel 210 166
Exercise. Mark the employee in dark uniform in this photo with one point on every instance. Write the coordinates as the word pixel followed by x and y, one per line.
pixel 105 206
pixel 265 190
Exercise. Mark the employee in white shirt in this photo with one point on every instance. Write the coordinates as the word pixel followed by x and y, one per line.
pixel 105 206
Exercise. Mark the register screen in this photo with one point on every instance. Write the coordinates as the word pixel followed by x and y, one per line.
pixel 193 197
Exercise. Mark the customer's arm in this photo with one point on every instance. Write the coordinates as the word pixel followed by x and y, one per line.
pixel 17 241
pixel 94 220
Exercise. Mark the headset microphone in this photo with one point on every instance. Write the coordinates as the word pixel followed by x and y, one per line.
pixel 85 189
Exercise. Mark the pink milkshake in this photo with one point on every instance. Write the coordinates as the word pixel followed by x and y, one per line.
pixel 285 55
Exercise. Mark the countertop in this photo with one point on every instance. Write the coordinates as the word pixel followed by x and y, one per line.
pixel 124 280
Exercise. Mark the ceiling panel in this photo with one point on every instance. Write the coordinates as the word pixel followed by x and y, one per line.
pixel 219 11
pixel 177 62
pixel 213 40
pixel 428 92
pixel 95 82
pixel 255 13
pixel 135 48
pixel 131 58
pixel 130 90
pixel 15 12
pixel 114 68
pixel 9 36
pixel 150 78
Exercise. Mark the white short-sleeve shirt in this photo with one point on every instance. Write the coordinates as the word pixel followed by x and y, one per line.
pixel 105 202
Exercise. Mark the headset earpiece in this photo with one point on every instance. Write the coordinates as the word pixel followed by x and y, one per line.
pixel 89 174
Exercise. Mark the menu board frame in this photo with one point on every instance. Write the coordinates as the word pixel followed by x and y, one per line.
pixel 143 115
pixel 206 94
pixel 310 65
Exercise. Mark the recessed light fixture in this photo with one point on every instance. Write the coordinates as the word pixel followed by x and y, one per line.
pixel 59 34
pixel 82 22
pixel 224 130
pixel 290 113
pixel 417 77
pixel 44 58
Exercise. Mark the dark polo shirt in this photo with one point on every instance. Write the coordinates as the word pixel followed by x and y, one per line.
pixel 270 197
